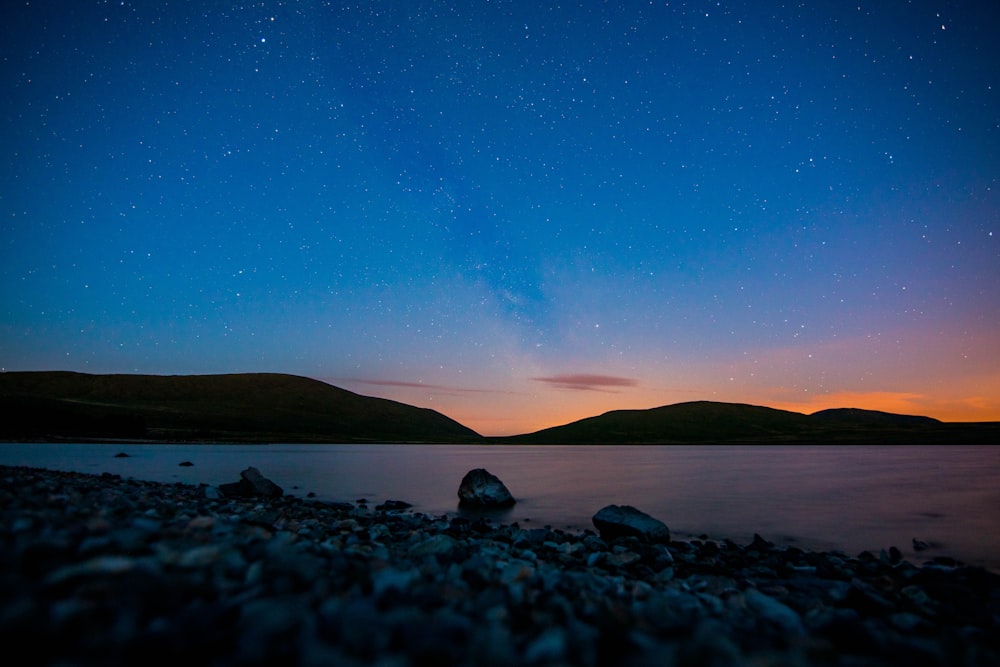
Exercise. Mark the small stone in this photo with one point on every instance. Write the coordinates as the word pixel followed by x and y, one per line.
pixel 436 544
pixel 549 647
pixel 777 613
pixel 622 559
pixel 201 522
pixel 378 531
pixel 101 565
pixel 517 571
pixel 624 521
pixel 908 622
pixel 199 556
pixel 390 578
pixel 393 505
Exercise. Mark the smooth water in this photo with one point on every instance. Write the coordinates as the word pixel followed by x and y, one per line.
pixel 850 498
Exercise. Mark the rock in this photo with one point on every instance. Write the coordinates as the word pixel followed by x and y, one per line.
pixel 393 505
pixel 760 544
pixel 391 578
pixel 624 521
pixel 235 490
pixel 775 612
pixel 185 464
pixel 251 485
pixel 121 455
pixel 622 558
pixel 262 486
pixel 548 647
pixel 436 544
pixel 481 488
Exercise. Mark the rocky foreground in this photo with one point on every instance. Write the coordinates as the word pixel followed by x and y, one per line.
pixel 111 571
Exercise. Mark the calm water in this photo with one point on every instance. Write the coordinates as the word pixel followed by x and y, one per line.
pixel 847 498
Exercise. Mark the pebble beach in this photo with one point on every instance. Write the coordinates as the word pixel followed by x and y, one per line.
pixel 104 570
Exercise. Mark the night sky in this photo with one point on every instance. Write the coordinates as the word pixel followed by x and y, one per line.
pixel 516 213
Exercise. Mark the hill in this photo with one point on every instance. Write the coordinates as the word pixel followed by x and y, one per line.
pixel 273 407
pixel 708 422
pixel 251 407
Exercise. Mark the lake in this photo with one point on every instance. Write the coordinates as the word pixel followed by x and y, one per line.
pixel 849 498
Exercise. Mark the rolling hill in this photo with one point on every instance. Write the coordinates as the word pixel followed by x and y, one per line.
pixel 707 422
pixel 254 407
pixel 273 407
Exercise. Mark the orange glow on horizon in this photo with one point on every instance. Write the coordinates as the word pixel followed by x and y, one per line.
pixel 513 415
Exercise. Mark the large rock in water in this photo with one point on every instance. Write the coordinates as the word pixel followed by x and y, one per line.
pixel 251 485
pixel 624 520
pixel 481 488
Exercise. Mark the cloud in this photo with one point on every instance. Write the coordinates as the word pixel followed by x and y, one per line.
pixel 406 384
pixel 587 382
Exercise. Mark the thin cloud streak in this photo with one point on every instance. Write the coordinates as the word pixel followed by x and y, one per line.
pixel 408 384
pixel 587 382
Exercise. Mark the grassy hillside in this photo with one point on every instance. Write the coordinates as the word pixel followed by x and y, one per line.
pixel 732 423
pixel 254 407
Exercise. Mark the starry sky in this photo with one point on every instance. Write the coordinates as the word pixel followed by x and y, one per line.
pixel 517 213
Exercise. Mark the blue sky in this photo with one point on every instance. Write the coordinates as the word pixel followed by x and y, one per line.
pixel 516 213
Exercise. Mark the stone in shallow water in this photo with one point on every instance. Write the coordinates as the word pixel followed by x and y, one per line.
pixel 624 520
pixel 252 484
pixel 393 506
pixel 481 488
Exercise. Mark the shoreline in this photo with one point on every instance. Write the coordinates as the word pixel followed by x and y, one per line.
pixel 101 569
pixel 867 503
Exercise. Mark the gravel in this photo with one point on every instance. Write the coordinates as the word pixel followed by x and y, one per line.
pixel 101 570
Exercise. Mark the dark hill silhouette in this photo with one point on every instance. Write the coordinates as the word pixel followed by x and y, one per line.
pixel 272 407
pixel 859 417
pixel 707 422
pixel 697 421
pixel 251 407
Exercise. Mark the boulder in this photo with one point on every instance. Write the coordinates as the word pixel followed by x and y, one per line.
pixel 480 488
pixel 624 520
pixel 251 485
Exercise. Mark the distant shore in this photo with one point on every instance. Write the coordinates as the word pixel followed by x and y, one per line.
pixel 98 569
